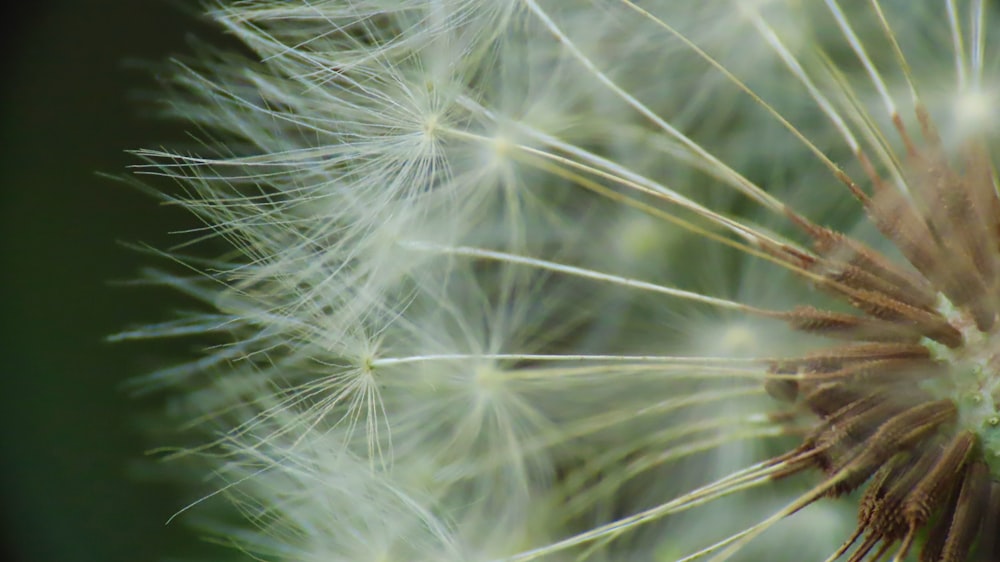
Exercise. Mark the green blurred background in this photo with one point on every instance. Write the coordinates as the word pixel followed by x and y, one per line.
pixel 73 101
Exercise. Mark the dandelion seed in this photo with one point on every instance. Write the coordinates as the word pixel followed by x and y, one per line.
pixel 599 281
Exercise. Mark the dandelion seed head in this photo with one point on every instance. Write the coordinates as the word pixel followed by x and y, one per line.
pixel 522 280
pixel 975 112
pixel 738 337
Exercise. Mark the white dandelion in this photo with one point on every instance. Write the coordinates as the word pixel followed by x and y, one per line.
pixel 608 280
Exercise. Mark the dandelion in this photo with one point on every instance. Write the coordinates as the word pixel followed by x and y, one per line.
pixel 524 279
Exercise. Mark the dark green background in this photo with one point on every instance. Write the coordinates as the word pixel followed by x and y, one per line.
pixel 71 105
